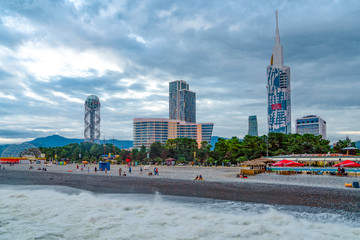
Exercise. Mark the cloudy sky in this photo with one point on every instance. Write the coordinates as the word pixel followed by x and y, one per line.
pixel 53 54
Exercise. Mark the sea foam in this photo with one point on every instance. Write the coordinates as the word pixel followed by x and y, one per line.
pixel 56 212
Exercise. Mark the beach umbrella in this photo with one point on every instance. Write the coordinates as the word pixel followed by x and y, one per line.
pixel 347 163
pixel 293 164
pixel 281 163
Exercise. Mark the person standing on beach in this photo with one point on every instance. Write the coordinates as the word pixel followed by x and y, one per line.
pixel 140 170
pixel 88 169
pixel 95 169
pixel 120 170
pixel 129 169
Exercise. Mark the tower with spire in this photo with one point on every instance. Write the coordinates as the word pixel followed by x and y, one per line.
pixel 278 89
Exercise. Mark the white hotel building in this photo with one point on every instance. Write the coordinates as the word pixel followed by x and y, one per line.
pixel 311 124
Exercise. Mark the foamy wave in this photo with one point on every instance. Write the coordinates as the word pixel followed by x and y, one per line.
pixel 40 212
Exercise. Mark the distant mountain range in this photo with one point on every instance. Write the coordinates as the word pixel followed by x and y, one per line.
pixel 59 141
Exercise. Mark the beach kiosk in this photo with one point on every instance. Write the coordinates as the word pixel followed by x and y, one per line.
pixel 104 166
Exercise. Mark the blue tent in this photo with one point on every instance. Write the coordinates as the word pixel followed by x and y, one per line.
pixel 104 166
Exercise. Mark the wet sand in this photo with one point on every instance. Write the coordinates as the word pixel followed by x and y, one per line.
pixel 234 189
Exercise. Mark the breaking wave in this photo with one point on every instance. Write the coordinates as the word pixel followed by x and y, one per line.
pixel 56 212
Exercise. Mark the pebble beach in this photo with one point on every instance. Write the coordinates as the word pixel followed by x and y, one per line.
pixel 219 183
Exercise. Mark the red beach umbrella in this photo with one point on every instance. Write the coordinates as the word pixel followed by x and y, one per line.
pixel 293 164
pixel 347 163
pixel 281 163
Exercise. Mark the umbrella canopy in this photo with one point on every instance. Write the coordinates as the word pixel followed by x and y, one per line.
pixel 349 148
pixel 281 163
pixel 293 164
pixel 347 163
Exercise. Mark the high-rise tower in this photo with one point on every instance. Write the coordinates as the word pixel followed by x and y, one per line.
pixel 253 127
pixel 278 89
pixel 182 102
pixel 92 119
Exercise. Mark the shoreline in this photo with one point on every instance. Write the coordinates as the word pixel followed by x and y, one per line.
pixel 249 192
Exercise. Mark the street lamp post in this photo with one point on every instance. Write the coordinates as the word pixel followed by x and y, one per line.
pixel 267 146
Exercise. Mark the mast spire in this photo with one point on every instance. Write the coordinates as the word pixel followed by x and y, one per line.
pixel 277 23
pixel 277 35
pixel 278 50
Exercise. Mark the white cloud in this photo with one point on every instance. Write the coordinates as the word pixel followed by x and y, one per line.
pixel 166 13
pixel 44 61
pixel 78 4
pixel 14 140
pixel 67 97
pixel 349 132
pixel 20 24
pixel 11 97
pixel 31 94
pixel 197 23
pixel 237 27
pixel 138 38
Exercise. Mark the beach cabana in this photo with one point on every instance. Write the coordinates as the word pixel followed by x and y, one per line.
pixel 347 163
pixel 170 161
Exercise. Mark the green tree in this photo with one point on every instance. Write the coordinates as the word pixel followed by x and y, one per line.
pixel 156 149
pixel 203 152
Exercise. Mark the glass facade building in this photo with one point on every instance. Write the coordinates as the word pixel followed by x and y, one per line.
pixel 311 124
pixel 253 126
pixel 278 90
pixel 182 102
pixel 149 130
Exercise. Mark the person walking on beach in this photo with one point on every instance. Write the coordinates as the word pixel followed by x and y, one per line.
pixel 88 169
pixel 154 170
pixel 77 166
pixel 140 170
pixel 95 169
pixel 157 171
pixel 120 170
pixel 129 169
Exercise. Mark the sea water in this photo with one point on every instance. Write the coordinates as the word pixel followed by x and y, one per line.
pixel 57 212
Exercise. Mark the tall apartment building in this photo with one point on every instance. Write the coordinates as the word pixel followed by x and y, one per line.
pixel 181 122
pixel 149 130
pixel 182 102
pixel 253 126
pixel 311 124
pixel 278 89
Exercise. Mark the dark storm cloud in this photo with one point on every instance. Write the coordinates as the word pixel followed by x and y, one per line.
pixel 220 48
pixel 12 134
